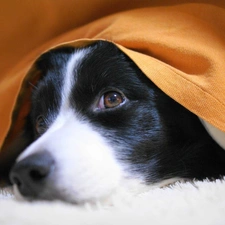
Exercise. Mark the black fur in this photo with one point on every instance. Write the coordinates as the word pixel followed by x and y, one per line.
pixel 153 134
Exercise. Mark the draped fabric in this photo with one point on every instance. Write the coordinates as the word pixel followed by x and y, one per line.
pixel 179 45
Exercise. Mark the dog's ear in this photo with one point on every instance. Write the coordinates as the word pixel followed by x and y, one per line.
pixel 9 155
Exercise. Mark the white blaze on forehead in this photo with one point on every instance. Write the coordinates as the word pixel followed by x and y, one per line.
pixel 70 73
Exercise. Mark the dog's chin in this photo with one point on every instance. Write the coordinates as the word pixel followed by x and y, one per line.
pixel 127 189
pixel 18 195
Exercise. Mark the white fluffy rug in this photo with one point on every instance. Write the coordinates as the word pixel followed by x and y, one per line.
pixel 181 204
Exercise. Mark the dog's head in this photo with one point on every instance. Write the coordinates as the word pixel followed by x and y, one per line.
pixel 97 123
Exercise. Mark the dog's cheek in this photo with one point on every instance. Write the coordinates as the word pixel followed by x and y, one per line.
pixel 85 173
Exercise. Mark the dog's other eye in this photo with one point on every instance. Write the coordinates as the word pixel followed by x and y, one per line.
pixel 40 125
pixel 110 99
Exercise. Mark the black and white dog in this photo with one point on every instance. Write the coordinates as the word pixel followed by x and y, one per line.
pixel 98 123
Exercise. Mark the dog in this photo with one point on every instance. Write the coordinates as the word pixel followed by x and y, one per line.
pixel 97 123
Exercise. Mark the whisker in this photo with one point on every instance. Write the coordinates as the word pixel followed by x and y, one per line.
pixel 32 85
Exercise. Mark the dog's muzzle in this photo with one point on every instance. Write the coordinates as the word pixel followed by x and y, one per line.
pixel 31 174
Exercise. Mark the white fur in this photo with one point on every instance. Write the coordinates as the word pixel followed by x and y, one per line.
pixel 69 76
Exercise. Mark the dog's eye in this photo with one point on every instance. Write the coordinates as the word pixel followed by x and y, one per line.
pixel 110 99
pixel 40 125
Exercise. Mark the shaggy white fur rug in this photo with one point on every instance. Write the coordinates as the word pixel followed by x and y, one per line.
pixel 181 204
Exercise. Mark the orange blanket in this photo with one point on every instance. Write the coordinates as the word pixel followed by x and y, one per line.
pixel 180 47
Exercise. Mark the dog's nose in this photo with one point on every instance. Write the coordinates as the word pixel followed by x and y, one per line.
pixel 31 173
